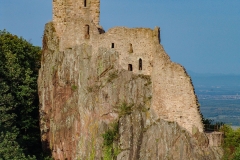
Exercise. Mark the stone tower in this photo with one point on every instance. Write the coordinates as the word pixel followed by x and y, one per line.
pixel 66 10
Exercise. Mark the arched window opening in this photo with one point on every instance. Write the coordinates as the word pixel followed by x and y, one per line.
pixel 130 67
pixel 131 48
pixel 112 45
pixel 85 3
pixel 140 64
pixel 87 29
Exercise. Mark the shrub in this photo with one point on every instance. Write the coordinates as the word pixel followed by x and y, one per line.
pixel 111 135
pixel 125 109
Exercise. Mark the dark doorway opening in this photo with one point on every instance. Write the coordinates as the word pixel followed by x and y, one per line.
pixel 130 67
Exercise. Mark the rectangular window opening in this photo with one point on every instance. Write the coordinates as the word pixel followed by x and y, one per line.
pixel 112 45
pixel 130 67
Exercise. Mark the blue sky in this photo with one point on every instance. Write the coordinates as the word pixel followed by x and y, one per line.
pixel 203 36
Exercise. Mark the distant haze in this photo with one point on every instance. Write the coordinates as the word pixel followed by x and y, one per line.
pixel 216 80
pixel 203 36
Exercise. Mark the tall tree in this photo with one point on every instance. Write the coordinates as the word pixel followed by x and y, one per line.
pixel 19 119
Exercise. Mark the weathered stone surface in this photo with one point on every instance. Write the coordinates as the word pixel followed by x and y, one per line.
pixel 85 87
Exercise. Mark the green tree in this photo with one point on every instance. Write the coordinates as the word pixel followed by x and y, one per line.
pixel 19 118
pixel 231 142
pixel 236 155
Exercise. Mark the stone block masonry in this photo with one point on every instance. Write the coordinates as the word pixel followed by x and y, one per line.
pixel 65 10
pixel 77 22
pixel 87 75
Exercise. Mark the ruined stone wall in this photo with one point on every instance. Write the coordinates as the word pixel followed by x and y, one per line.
pixel 65 10
pixel 82 93
pixel 84 81
pixel 173 93
pixel 140 39
pixel 215 138
pixel 132 45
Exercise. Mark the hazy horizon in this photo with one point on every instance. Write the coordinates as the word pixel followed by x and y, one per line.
pixel 203 36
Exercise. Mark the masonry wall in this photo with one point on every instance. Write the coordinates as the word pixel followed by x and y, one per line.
pixel 174 98
pixel 131 45
pixel 215 138
pixel 173 94
pixel 65 10
pixel 85 79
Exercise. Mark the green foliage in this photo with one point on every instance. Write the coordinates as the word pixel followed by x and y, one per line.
pixel 209 125
pixel 47 158
pixel 231 142
pixel 107 153
pixel 125 109
pixel 236 155
pixel 110 152
pixel 9 147
pixel 74 88
pixel 19 118
pixel 111 135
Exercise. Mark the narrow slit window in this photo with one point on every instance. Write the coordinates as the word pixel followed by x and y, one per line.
pixel 130 67
pixel 159 35
pixel 87 31
pixel 112 45
pixel 85 3
pixel 140 64
pixel 131 48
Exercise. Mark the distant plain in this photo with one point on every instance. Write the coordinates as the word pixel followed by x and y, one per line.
pixel 219 96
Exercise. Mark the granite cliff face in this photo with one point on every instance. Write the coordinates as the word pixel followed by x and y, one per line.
pixel 114 95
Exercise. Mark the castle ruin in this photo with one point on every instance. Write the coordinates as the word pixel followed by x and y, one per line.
pixel 77 22
pixel 86 72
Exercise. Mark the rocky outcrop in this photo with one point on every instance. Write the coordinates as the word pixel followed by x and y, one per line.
pixel 91 107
